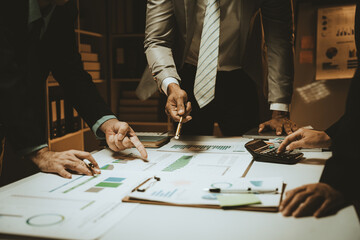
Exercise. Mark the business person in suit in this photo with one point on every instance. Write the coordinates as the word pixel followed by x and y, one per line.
pixel 198 53
pixel 338 185
pixel 36 37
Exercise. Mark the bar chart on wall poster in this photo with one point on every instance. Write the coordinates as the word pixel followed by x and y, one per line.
pixel 175 162
pixel 336 51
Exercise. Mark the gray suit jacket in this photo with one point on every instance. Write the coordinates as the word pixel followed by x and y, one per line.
pixel 170 28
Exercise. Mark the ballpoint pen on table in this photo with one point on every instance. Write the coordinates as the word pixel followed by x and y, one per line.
pixel 247 190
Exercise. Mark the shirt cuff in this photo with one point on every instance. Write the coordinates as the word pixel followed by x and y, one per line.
pixel 98 133
pixel 29 150
pixel 279 107
pixel 166 82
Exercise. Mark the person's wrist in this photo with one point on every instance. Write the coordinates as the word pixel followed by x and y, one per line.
pixel 107 124
pixel 172 88
pixel 36 156
pixel 38 152
pixel 280 114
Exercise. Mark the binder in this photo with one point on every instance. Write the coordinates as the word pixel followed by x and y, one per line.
pixel 150 182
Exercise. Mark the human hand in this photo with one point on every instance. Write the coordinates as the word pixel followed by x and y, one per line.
pixel 120 136
pixel 175 105
pixel 317 199
pixel 305 138
pixel 279 121
pixel 61 162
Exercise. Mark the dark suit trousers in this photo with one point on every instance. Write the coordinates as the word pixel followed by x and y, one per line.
pixel 235 107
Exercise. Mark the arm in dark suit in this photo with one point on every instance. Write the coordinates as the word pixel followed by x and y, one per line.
pixel 342 171
pixel 68 70
pixel 333 129
pixel 339 181
pixel 17 114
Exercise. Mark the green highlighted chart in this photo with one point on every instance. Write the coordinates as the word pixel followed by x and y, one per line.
pixel 111 182
pixel 78 185
pixel 179 163
pixel 108 184
pixel 108 167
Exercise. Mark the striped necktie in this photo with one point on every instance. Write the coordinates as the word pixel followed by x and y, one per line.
pixel 204 87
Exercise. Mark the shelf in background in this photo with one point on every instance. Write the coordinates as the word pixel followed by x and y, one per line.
pixel 55 84
pixel 126 79
pixel 67 136
pixel 94 34
pixel 87 129
pixel 128 35
pixel 149 126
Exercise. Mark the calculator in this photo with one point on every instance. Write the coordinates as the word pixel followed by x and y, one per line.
pixel 264 152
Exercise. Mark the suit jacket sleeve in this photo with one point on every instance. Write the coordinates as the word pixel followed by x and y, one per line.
pixel 69 72
pixel 159 34
pixel 278 29
pixel 17 113
pixel 342 170
pixel 333 129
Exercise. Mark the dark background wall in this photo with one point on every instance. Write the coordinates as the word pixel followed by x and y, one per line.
pixel 320 114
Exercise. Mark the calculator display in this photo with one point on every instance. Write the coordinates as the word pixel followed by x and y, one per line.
pixel 257 145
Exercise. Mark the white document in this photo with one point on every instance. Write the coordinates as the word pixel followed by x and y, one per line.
pixel 212 146
pixel 59 218
pixel 108 185
pixel 84 207
pixel 190 191
pixel 174 162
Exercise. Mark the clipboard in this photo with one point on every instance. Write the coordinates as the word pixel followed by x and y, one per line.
pixel 146 185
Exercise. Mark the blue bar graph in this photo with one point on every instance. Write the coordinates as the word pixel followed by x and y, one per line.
pixel 161 193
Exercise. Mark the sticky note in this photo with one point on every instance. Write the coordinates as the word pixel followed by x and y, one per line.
pixel 231 200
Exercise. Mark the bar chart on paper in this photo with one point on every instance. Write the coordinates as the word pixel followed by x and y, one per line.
pixel 200 147
pixel 164 193
pixel 95 184
pixel 205 147
pixel 209 164
pixel 178 164
pixel 203 163
pixel 60 218
pixel 93 187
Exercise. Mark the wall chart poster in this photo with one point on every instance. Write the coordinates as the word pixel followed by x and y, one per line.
pixel 336 51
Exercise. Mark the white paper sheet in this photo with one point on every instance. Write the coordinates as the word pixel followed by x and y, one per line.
pixel 40 216
pixel 84 207
pixel 213 146
pixel 175 162
pixel 189 190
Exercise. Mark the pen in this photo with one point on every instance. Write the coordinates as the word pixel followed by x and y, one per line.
pixel 248 190
pixel 177 134
pixel 90 166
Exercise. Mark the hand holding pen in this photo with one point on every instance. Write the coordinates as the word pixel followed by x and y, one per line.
pixel 177 104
